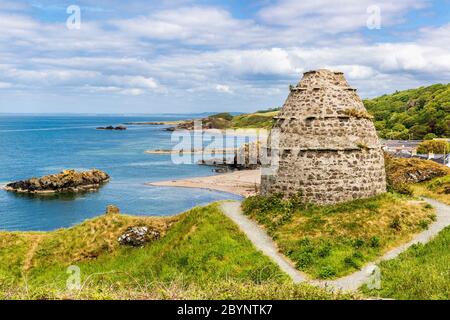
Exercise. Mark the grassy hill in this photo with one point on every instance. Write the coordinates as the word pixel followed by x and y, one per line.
pixel 259 119
pixel 413 114
pixel 201 255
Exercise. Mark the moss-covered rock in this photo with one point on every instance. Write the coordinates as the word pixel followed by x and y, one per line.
pixel 67 181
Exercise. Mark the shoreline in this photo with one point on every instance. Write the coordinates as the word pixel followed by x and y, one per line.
pixel 244 183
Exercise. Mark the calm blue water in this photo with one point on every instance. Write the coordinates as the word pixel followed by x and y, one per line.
pixel 36 145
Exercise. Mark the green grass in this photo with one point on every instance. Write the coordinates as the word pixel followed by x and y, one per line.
pixel 422 272
pixel 202 255
pixel 438 189
pixel 13 249
pixel 332 241
pixel 254 120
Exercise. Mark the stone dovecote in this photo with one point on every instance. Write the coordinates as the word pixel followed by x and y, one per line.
pixel 328 148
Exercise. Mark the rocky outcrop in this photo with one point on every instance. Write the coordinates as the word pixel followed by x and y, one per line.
pixel 249 156
pixel 112 210
pixel 138 236
pixel 68 181
pixel 412 170
pixel 118 128
pixel 246 157
pixel 219 121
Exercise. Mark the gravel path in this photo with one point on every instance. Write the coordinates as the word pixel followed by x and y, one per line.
pixel 263 242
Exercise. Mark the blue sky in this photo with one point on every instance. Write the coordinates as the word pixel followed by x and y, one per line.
pixel 182 56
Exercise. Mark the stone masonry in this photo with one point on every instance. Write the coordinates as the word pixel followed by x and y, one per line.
pixel 328 148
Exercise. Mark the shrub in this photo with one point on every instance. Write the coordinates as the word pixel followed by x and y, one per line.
pixel 269 110
pixel 358 243
pixel 434 146
pixel 375 242
pixel 430 136
pixel 304 260
pixel 400 171
pixel 223 115
pixel 424 224
pixel 401 188
pixel 360 114
pixel 272 211
pixel 351 262
pixel 358 255
pixel 396 224
pixel 441 185
pixel 324 251
pixel 327 272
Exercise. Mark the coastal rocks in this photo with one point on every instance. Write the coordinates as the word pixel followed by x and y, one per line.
pixel 118 128
pixel 247 157
pixel 68 181
pixel 187 125
pixel 219 121
pixel 138 236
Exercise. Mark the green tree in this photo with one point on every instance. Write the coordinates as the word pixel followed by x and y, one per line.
pixel 422 111
pixel 434 146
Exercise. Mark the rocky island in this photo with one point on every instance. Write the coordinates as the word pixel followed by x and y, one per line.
pixel 68 181
pixel 118 128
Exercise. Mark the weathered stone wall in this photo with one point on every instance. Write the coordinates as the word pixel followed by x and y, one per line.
pixel 328 150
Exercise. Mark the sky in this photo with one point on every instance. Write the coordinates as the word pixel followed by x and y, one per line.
pixel 191 56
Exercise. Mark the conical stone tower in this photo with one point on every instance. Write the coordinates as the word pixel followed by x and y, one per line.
pixel 328 148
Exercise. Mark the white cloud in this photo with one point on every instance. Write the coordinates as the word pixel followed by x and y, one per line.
pixel 132 92
pixel 273 61
pixel 223 88
pixel 199 52
pixel 5 85
pixel 134 81
pixel 193 25
pixel 331 16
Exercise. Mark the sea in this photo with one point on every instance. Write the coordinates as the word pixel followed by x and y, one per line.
pixel 38 145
